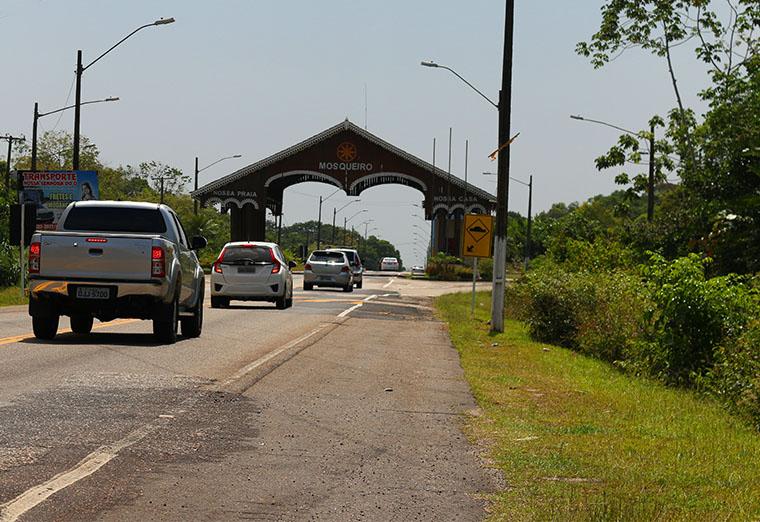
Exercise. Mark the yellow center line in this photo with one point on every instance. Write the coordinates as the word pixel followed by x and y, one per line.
pixel 17 338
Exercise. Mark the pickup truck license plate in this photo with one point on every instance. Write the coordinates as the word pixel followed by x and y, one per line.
pixel 92 292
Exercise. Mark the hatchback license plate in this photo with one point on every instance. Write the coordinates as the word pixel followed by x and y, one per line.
pixel 246 269
pixel 93 292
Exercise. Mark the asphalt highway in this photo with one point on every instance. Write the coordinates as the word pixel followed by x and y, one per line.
pixel 344 407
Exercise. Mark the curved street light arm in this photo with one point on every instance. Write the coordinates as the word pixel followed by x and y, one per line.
pixel 471 86
pixel 217 161
pixel 114 46
pixel 496 105
pixel 109 99
pixel 634 134
pixel 347 204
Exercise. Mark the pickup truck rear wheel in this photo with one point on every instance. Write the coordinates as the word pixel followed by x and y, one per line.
pixel 45 327
pixel 81 324
pixel 166 331
pixel 192 326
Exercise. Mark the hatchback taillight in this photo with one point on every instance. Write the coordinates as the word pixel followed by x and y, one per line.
pixel 345 268
pixel 307 266
pixel 35 252
pixel 157 262
pixel 276 267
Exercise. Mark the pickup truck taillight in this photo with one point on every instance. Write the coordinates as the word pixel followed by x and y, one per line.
pixel 276 267
pixel 35 250
pixel 157 262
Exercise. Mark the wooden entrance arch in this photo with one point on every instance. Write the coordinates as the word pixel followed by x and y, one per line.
pixel 347 157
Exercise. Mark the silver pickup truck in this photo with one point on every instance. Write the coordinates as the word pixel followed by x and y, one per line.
pixel 110 259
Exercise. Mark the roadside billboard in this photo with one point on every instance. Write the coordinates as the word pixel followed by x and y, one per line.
pixel 53 190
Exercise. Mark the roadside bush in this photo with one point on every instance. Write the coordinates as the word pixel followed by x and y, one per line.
pixel 692 316
pixel 735 377
pixel 448 268
pixel 596 313
pixel 9 269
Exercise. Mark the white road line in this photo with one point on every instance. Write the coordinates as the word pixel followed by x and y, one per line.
pixel 389 283
pixel 11 511
pixel 271 355
pixel 344 313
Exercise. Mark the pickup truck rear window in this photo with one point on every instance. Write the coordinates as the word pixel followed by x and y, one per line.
pixel 113 219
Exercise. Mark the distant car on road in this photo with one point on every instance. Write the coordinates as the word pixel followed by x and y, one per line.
pixel 390 263
pixel 252 271
pixel 328 268
pixel 418 270
pixel 355 261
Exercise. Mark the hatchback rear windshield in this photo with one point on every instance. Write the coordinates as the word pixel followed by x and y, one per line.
pixel 328 257
pixel 350 255
pixel 113 219
pixel 240 254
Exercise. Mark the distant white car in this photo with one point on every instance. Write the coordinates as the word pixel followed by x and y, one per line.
pixel 390 263
pixel 251 271
pixel 418 270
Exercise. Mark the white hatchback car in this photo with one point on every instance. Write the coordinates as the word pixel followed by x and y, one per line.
pixel 251 271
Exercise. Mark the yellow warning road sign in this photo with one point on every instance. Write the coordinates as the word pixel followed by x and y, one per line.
pixel 478 236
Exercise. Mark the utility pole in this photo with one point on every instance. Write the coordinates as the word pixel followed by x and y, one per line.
pixel 650 184
pixel 77 105
pixel 335 211
pixel 10 139
pixel 279 229
pixel 319 225
pixel 34 136
pixel 195 201
pixel 345 223
pixel 502 188
pixel 530 222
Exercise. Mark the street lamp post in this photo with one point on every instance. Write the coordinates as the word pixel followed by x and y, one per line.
pixel 335 213
pixel 81 69
pixel 319 220
pixel 198 171
pixel 348 220
pixel 38 115
pixel 502 188
pixel 652 159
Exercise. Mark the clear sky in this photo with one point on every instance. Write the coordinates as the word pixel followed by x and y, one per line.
pixel 252 77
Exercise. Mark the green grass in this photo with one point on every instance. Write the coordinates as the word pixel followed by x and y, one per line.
pixel 578 440
pixel 11 296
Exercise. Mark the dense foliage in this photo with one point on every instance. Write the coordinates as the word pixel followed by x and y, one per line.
pixel 675 297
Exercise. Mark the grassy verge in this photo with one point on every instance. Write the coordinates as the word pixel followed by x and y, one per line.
pixel 11 296
pixel 578 440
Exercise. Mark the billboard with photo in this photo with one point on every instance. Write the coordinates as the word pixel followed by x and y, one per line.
pixel 53 190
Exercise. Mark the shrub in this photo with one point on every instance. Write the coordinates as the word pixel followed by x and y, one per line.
pixel 9 269
pixel 447 268
pixel 735 377
pixel 692 316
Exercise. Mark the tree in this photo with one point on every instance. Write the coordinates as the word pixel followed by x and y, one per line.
pixel 160 177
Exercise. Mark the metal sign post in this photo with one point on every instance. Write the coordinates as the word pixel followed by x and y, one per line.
pixel 22 268
pixel 477 243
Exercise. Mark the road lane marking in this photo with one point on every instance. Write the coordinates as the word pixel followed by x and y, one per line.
pixel 367 299
pixel 389 283
pixel 30 336
pixel 271 355
pixel 11 511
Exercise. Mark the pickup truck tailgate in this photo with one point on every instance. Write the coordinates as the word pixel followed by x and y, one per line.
pixel 95 257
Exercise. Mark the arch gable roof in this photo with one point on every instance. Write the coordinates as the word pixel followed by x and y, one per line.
pixel 326 134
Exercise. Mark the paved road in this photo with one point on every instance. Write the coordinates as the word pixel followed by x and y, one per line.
pixel 344 407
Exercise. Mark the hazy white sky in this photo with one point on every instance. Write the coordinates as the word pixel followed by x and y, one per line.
pixel 252 77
